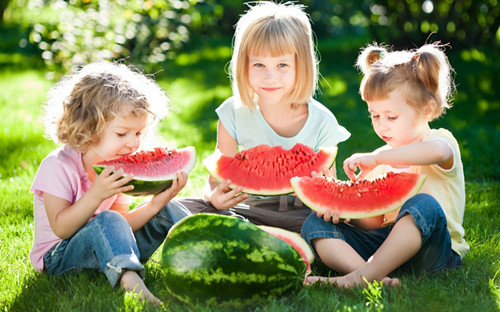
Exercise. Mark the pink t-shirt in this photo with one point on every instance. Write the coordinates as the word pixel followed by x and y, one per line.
pixel 60 174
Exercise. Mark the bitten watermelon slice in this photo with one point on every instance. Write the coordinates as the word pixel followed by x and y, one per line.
pixel 359 199
pixel 225 261
pixel 153 170
pixel 266 170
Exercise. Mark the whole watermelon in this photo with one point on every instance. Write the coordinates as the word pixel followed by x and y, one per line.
pixel 215 259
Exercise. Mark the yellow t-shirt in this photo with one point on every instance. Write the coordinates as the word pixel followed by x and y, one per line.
pixel 446 186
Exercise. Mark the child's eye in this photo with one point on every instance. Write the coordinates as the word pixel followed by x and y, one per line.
pixel 372 116
pixel 258 65
pixel 281 65
pixel 392 117
pixel 121 134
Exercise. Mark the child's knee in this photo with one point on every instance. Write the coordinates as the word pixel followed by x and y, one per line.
pixel 427 214
pixel 423 206
pixel 111 217
pixel 176 211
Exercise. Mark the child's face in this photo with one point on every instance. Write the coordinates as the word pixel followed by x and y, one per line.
pixel 396 122
pixel 272 78
pixel 121 136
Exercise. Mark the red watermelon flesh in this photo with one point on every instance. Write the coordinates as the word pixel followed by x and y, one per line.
pixel 153 170
pixel 266 170
pixel 358 199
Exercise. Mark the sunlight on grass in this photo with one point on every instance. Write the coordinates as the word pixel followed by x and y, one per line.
pixel 495 287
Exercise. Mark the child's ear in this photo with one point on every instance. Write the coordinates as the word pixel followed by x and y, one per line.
pixel 429 109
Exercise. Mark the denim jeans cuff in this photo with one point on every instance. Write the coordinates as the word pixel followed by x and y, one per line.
pixel 119 264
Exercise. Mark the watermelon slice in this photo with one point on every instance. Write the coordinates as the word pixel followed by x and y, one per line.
pixel 359 199
pixel 295 240
pixel 266 170
pixel 153 170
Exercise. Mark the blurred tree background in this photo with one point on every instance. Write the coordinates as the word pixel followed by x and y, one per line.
pixel 187 44
pixel 71 32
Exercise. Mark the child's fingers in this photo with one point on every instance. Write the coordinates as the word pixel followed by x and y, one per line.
pixel 125 188
pixel 327 172
pixel 327 216
pixel 182 178
pixel 107 171
pixel 236 200
pixel 223 187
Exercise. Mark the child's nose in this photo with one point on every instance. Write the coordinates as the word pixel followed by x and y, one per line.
pixel 270 74
pixel 133 142
pixel 384 125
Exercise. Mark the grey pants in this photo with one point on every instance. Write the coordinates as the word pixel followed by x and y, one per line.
pixel 286 212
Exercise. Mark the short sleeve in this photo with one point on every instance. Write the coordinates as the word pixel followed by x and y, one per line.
pixel 227 116
pixel 329 132
pixel 53 178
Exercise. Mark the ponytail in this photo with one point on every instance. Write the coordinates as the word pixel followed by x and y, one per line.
pixel 423 74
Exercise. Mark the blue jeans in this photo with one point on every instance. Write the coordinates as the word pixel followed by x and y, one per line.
pixel 107 243
pixel 435 253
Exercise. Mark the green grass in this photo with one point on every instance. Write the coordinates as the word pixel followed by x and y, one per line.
pixel 197 83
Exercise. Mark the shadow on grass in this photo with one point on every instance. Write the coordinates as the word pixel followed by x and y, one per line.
pixel 84 291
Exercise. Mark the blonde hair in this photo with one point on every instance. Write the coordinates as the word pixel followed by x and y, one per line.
pixel 424 76
pixel 274 29
pixel 80 104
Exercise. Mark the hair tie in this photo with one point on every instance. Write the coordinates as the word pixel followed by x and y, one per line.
pixel 381 54
pixel 416 56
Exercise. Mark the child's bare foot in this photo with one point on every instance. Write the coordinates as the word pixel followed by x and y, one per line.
pixel 131 281
pixel 310 280
pixel 391 281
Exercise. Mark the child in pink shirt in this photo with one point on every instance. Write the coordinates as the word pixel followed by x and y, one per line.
pixel 82 220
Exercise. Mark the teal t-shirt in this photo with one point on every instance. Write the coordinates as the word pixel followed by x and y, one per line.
pixel 249 128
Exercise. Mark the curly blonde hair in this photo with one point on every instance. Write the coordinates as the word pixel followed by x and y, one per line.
pixel 423 75
pixel 80 104
pixel 275 29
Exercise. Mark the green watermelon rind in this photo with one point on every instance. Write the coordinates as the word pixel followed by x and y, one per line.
pixel 145 186
pixel 211 165
pixel 225 261
pixel 346 214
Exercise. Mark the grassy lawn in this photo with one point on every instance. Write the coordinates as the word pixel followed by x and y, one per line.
pixel 197 83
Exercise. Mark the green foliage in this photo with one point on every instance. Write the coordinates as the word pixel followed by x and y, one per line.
pixel 71 33
pixel 373 293
pixel 147 32
pixel 463 23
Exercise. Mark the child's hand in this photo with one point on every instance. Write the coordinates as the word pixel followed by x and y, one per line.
pixel 178 184
pixel 224 197
pixel 332 217
pixel 365 162
pixel 110 183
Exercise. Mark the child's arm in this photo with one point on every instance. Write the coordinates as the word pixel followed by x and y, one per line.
pixel 418 154
pixel 66 219
pixel 143 213
pixel 219 194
